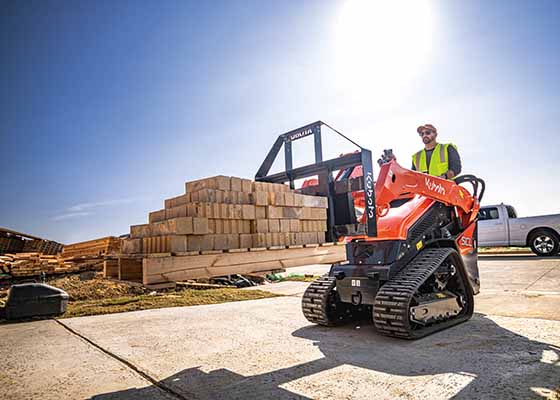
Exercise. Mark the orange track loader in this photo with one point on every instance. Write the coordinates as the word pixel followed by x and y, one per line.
pixel 411 255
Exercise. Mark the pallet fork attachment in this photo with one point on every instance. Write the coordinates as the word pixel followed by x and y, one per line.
pixel 341 218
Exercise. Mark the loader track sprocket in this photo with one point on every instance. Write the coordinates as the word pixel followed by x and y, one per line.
pixel 320 303
pixel 393 302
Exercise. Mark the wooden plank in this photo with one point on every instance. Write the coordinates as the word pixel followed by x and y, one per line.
pixel 220 242
pixel 175 226
pixel 248 211
pixel 245 240
pixel 196 285
pixel 130 269
pixel 261 198
pixel 178 243
pixel 206 252
pixel 238 250
pixel 276 199
pixel 295 225
pixel 110 269
pixel 158 255
pixel 201 242
pixel 289 200
pixel 91 242
pixel 246 185
pixel 191 267
pixel 260 212
pixel 259 226
pixel 156 216
pixel 274 225
pixel 101 246
pixel 274 212
pixel 312 213
pixel 236 184
pixel 220 182
pixel 285 226
pixel 177 201
pixel 179 211
pixel 162 286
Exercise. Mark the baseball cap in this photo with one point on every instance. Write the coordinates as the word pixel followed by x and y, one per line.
pixel 426 126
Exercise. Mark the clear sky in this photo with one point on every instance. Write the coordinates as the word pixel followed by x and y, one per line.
pixel 107 107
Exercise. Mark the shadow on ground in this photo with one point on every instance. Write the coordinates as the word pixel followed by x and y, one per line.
pixel 498 362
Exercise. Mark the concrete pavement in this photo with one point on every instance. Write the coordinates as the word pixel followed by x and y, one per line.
pixel 43 360
pixel 266 349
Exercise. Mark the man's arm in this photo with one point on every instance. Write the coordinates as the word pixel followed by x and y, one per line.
pixel 454 161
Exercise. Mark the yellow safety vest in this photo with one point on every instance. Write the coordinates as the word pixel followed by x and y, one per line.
pixel 439 163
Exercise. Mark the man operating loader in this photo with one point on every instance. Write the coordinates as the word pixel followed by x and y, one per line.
pixel 435 158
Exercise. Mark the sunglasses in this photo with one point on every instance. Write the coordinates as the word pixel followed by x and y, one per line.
pixel 425 133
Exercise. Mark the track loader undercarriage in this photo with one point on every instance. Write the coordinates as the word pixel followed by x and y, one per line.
pixel 429 294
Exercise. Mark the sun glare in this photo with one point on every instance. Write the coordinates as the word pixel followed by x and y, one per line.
pixel 381 45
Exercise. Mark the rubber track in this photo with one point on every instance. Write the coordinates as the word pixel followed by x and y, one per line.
pixel 315 301
pixel 392 303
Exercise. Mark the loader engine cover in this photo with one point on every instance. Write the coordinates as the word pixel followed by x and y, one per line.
pixel 35 300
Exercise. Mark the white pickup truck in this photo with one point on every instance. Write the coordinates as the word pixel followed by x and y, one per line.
pixel 498 225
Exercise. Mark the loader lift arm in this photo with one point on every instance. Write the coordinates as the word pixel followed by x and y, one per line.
pixel 396 182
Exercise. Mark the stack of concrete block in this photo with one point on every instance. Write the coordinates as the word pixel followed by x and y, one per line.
pixel 226 213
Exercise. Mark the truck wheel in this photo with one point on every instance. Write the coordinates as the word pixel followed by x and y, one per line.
pixel 544 243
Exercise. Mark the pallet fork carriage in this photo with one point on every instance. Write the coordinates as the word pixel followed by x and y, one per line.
pixel 411 256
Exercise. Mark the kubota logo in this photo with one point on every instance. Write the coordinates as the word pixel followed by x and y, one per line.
pixel 369 195
pixel 301 134
pixel 436 187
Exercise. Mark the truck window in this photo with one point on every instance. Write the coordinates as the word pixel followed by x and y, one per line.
pixel 511 212
pixel 488 213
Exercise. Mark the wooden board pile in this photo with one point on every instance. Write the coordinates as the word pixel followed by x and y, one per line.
pixel 93 248
pixel 42 246
pixel 33 264
pixel 11 244
pixel 227 225
pixel 226 213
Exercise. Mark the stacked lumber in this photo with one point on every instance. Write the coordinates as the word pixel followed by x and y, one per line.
pixel 16 242
pixel 42 246
pixel 11 244
pixel 225 213
pixel 93 248
pixel 33 264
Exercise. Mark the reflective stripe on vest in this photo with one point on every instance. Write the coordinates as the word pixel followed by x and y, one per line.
pixel 437 167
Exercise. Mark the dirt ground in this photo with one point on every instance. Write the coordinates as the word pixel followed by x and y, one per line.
pixel 99 296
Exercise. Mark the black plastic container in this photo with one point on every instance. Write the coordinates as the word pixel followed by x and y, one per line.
pixel 35 300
